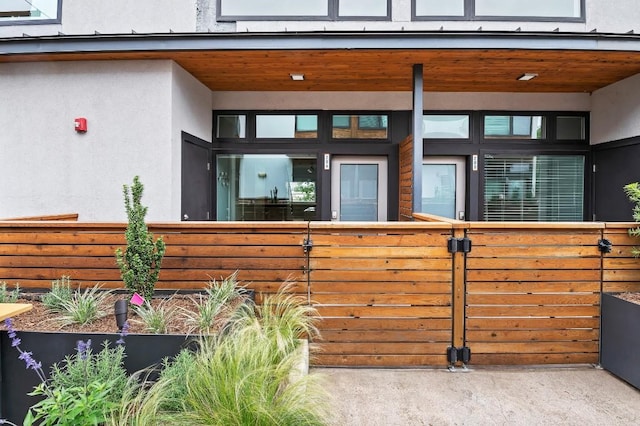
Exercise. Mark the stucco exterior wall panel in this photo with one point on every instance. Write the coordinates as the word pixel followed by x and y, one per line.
pixel 615 111
pixel 191 113
pixel 48 168
pixel 400 101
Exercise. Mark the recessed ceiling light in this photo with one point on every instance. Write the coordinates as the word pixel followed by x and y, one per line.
pixel 297 77
pixel 527 76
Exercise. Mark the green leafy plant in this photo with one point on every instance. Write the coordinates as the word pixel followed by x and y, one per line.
pixel 84 390
pixel 9 296
pixel 60 292
pixel 215 307
pixel 141 260
pixel 237 377
pixel 633 193
pixel 84 306
pixel 156 319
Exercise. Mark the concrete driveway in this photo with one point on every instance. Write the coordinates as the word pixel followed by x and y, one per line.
pixel 483 396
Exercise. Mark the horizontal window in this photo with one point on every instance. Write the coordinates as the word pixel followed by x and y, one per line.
pixel 231 126
pixel 29 11
pixel 439 8
pixel 544 10
pixel 362 8
pixel 360 127
pixel 274 8
pixel 571 128
pixel 514 127
pixel 524 8
pixel 534 188
pixel 270 187
pixel 286 126
pixel 296 9
pixel 445 126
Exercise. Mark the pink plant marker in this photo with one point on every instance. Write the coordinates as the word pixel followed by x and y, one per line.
pixel 137 300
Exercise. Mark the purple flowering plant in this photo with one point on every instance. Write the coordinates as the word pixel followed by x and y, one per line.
pixel 84 389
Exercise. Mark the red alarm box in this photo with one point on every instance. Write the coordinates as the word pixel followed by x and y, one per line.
pixel 80 125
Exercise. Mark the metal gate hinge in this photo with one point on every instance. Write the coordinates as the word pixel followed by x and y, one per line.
pixel 459 245
pixel 462 354
pixel 307 245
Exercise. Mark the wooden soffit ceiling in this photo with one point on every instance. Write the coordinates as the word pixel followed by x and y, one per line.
pixel 445 70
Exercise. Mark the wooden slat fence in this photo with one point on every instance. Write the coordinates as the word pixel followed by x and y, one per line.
pixel 620 270
pixel 389 294
pixel 383 292
pixel 533 293
pixel 265 254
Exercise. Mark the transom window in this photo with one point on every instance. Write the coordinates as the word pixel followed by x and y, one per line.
pixel 514 127
pixel 30 11
pixel 286 126
pixel 360 127
pixel 251 10
pixel 539 10
pixel 445 126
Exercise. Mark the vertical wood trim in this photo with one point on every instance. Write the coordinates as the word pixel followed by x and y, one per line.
pixel 418 89
pixel 458 294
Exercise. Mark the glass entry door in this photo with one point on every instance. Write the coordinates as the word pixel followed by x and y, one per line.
pixel 359 189
pixel 443 186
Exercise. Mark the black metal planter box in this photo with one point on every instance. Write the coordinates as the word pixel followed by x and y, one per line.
pixel 620 338
pixel 16 381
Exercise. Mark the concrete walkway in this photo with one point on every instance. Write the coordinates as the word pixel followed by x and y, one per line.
pixel 483 396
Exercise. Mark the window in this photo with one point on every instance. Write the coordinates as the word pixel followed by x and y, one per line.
pixel 514 127
pixel 265 186
pixel 445 126
pixel 534 188
pixel 235 10
pixel 360 127
pixel 363 8
pixel 231 126
pixel 540 10
pixel 571 128
pixel 439 8
pixel 286 126
pixel 30 11
pixel 526 8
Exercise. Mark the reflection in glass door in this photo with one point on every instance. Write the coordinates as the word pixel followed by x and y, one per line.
pixel 359 189
pixel 443 185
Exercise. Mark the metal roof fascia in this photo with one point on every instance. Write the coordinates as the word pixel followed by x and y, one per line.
pixel 317 41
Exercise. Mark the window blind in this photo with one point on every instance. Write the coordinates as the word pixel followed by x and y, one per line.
pixel 534 188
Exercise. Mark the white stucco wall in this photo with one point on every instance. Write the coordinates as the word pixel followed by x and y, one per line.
pixel 191 113
pixel 48 168
pixel 615 112
pixel 400 101
pixel 115 17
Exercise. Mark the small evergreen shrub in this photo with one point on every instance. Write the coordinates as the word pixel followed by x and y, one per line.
pixel 140 262
pixel 633 193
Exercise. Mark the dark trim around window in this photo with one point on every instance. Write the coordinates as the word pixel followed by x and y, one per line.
pixel 549 131
pixel 331 16
pixel 57 20
pixel 469 15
